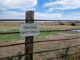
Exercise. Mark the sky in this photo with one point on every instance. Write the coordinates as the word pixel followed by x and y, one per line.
pixel 44 9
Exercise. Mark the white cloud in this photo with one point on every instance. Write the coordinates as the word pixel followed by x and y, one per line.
pixel 21 15
pixel 30 4
pixel 12 15
pixel 39 15
pixel 57 16
pixel 49 16
pixel 63 4
pixel 17 4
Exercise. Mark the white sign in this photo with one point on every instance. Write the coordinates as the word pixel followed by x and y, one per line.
pixel 29 29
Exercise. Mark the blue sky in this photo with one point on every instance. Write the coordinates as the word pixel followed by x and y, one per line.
pixel 44 9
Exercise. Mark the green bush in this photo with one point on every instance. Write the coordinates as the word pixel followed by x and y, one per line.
pixel 73 24
pixel 61 23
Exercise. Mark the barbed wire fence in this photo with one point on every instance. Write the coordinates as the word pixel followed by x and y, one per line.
pixel 53 40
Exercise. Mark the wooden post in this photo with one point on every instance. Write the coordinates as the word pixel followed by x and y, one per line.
pixel 29 47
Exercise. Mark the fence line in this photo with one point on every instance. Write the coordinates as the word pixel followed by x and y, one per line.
pixel 61 57
pixel 9 32
pixel 35 20
pixel 57 40
pixel 47 59
pixel 12 45
pixel 40 31
pixel 31 38
pixel 54 50
pixel 11 20
pixel 42 51
pixel 40 42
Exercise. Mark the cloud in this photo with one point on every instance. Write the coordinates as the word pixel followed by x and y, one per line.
pixel 21 15
pixel 30 5
pixel 63 4
pixel 57 16
pixel 12 15
pixel 39 15
pixel 17 4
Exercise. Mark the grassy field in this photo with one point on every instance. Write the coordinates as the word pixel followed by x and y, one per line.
pixel 43 35
pixel 15 38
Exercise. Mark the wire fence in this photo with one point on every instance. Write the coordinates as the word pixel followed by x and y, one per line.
pixel 54 40
pixel 44 52
pixel 1 20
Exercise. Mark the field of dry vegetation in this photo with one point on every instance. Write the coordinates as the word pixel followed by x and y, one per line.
pixel 15 38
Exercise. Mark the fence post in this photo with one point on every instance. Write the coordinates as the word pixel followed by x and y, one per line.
pixel 29 47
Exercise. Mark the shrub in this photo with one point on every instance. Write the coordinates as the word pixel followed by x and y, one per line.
pixel 64 54
pixel 72 24
pixel 61 23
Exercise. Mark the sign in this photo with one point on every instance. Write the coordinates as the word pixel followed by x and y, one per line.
pixel 29 29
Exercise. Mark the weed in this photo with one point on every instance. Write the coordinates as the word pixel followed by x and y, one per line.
pixel 15 58
pixel 64 54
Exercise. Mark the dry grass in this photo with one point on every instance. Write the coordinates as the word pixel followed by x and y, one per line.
pixel 4 26
pixel 8 51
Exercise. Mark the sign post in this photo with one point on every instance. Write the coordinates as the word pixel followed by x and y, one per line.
pixel 29 39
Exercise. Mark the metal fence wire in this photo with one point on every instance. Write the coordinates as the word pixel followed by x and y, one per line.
pixel 46 41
